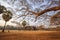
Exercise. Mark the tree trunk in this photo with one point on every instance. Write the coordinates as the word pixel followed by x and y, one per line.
pixel 4 27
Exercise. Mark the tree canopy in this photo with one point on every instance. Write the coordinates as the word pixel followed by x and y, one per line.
pixel 2 9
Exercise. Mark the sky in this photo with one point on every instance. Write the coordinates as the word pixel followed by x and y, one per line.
pixel 16 5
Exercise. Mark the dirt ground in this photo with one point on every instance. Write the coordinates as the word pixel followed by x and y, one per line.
pixel 29 35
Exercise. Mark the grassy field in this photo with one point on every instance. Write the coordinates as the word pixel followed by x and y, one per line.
pixel 30 35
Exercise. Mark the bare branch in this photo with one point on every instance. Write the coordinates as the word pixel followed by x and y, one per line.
pixel 55 19
pixel 46 10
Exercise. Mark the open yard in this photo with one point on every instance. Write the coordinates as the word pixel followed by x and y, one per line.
pixel 30 35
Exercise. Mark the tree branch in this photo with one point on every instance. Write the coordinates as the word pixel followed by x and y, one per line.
pixel 46 10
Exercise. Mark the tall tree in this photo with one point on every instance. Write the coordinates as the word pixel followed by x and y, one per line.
pixel 6 16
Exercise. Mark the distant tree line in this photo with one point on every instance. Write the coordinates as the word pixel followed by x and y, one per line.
pixel 8 27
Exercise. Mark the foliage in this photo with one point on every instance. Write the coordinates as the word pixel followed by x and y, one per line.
pixel 24 23
pixel 7 16
pixel 2 9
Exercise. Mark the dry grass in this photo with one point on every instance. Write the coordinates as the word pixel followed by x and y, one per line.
pixel 30 35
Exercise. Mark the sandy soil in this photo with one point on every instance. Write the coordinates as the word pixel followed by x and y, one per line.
pixel 30 35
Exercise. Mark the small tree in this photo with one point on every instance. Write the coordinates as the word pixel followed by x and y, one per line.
pixel 24 23
pixel 6 16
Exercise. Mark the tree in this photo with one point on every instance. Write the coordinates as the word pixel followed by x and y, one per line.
pixel 6 16
pixel 2 9
pixel 24 23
